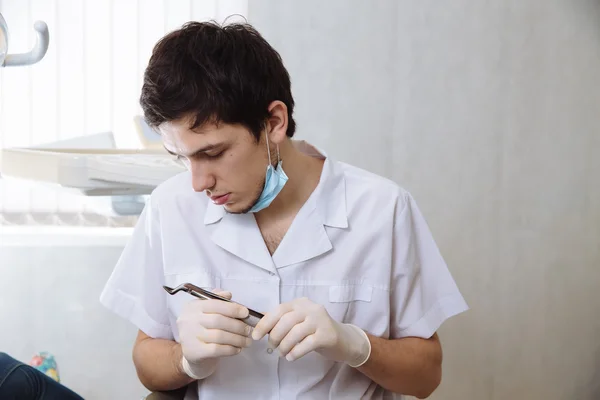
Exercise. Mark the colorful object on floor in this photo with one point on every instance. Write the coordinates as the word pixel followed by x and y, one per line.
pixel 45 363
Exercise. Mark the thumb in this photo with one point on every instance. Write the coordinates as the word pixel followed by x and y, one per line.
pixel 222 293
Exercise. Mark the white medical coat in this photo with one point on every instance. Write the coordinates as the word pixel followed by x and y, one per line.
pixel 359 246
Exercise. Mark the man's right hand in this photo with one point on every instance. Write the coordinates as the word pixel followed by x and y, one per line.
pixel 208 330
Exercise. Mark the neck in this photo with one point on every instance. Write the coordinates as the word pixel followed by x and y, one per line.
pixel 303 173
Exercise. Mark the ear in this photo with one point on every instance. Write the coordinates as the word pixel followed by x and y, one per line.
pixel 277 123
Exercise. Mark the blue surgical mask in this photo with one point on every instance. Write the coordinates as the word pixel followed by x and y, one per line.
pixel 275 180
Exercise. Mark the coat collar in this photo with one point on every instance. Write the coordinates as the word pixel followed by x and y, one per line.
pixel 306 237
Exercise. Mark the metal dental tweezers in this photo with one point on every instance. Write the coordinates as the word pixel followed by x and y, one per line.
pixel 252 318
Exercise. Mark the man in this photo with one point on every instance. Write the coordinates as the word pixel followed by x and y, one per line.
pixel 340 260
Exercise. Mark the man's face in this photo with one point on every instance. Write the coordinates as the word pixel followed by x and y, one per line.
pixel 224 160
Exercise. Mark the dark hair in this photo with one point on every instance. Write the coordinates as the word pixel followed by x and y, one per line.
pixel 217 74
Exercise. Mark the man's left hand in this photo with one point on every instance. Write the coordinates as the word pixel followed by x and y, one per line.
pixel 302 326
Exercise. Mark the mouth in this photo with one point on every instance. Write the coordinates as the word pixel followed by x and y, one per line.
pixel 220 200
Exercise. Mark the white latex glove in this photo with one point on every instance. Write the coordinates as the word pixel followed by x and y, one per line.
pixel 208 330
pixel 302 326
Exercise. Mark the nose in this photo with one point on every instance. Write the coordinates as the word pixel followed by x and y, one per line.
pixel 202 177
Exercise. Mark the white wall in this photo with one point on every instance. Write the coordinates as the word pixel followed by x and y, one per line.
pixel 489 113
pixel 49 302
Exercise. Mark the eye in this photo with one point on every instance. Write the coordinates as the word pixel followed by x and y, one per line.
pixel 216 155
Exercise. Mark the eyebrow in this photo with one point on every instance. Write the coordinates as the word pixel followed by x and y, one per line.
pixel 201 150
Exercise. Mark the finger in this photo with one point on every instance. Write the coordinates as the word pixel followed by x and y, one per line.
pixel 222 293
pixel 198 349
pixel 214 350
pixel 296 335
pixel 283 327
pixel 225 308
pixel 217 336
pixel 221 322
pixel 270 319
pixel 308 344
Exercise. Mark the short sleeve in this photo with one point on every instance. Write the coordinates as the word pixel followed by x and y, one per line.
pixel 134 290
pixel 423 292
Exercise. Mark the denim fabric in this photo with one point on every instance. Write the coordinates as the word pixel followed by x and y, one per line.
pixel 19 381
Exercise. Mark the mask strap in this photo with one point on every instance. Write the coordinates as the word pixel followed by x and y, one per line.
pixel 269 150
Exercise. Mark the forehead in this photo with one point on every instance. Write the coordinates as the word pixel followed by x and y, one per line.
pixel 178 135
pixel 181 128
